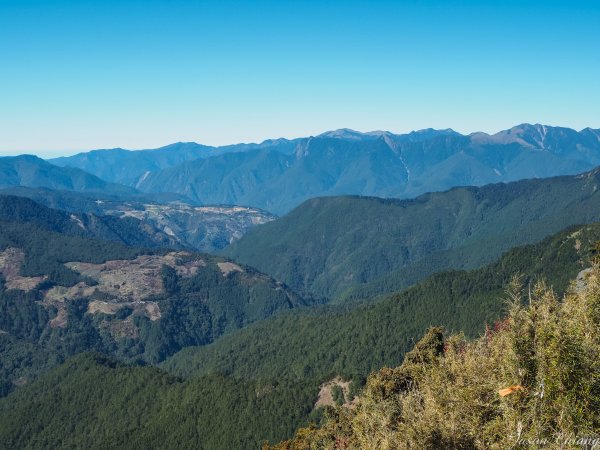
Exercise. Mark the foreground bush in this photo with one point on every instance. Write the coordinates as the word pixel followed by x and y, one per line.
pixel 531 381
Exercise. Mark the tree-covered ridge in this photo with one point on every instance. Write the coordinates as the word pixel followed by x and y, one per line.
pixel 61 294
pixel 176 222
pixel 128 231
pixel 93 401
pixel 351 341
pixel 329 246
pixel 531 381
pixel 239 392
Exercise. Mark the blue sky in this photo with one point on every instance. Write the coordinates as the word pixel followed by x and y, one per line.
pixel 78 75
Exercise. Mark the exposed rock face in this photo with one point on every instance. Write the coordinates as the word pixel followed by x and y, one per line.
pixel 61 293
pixel 136 279
pixel 204 228
pixel 122 284
pixel 326 393
pixel 11 260
pixel 228 267
pixel 57 297
pixel 148 309
pixel 582 280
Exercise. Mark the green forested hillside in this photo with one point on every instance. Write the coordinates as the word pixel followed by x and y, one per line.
pixel 329 341
pixel 128 231
pixel 61 294
pixel 95 402
pixel 329 246
pixel 531 381
pixel 260 383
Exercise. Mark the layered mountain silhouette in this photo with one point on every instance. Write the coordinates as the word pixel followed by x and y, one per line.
pixel 128 167
pixel 364 246
pixel 278 175
pixel 19 173
pixel 202 228
pixel 108 318
pixel 31 171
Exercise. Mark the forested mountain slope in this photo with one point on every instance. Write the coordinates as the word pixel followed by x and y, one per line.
pixel 96 402
pixel 531 381
pixel 323 342
pixel 328 246
pixel 202 228
pixel 128 230
pixel 261 383
pixel 62 292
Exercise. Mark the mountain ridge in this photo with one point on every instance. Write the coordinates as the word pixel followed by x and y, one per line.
pixel 31 171
pixel 204 228
pixel 68 283
pixel 279 178
pixel 278 174
pixel 329 245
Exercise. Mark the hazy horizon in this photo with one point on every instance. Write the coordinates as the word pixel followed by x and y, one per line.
pixel 55 153
pixel 80 75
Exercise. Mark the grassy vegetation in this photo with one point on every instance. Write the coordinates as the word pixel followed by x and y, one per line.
pixel 531 381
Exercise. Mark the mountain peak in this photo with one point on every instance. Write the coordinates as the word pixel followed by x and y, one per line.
pixel 430 133
pixel 343 133
pixel 530 128
pixel 181 143
pixel 434 130
pixel 528 135
pixel 24 157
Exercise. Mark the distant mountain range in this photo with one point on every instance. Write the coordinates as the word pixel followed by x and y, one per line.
pixel 127 166
pixel 31 171
pixel 114 333
pixel 278 175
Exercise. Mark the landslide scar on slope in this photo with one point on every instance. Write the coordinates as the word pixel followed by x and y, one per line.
pixel 126 283
pixel 227 267
pixel 136 279
pixel 11 261
pixel 326 393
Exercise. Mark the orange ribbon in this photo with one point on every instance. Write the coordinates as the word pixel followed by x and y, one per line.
pixel 509 390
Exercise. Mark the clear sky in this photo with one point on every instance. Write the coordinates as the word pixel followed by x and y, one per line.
pixel 78 75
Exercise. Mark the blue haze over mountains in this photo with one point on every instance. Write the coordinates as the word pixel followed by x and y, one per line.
pixel 278 175
pixel 101 257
